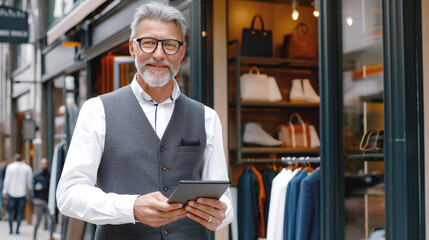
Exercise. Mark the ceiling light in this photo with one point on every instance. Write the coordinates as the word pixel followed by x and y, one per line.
pixel 349 20
pixel 316 8
pixel 295 13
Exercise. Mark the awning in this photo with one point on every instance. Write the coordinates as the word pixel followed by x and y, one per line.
pixel 72 19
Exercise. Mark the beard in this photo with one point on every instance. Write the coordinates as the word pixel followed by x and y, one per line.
pixel 155 78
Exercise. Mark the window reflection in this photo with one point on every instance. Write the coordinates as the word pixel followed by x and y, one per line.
pixel 363 114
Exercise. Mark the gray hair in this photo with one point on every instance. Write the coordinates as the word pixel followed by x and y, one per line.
pixel 159 11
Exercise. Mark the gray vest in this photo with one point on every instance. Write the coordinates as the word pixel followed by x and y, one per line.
pixel 136 161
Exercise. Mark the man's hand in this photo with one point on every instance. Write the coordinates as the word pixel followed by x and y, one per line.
pixel 5 197
pixel 152 209
pixel 208 212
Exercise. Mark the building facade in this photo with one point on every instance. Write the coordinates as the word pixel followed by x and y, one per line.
pixel 78 49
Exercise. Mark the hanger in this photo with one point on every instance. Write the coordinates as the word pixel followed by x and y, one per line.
pixel 272 166
pixel 309 169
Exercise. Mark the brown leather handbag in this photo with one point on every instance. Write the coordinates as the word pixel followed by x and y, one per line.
pixel 295 135
pixel 300 44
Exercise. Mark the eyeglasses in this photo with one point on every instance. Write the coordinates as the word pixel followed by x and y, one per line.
pixel 149 45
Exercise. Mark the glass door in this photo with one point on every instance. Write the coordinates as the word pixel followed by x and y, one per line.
pixel 363 118
pixel 372 158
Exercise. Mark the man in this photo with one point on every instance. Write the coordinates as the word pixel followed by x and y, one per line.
pixel 16 184
pixel 136 143
pixel 3 166
pixel 41 181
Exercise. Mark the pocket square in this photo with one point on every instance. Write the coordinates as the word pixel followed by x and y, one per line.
pixel 189 142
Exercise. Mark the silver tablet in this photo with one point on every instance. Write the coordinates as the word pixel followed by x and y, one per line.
pixel 187 190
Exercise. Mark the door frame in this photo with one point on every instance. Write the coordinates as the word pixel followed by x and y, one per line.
pixel 404 131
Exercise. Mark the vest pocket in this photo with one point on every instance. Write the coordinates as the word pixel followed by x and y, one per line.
pixel 188 149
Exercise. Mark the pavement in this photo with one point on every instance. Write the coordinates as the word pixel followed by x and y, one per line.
pixel 25 231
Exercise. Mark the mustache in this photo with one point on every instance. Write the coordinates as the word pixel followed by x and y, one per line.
pixel 153 61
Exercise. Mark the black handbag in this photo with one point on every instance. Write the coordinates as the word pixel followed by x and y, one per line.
pixel 257 43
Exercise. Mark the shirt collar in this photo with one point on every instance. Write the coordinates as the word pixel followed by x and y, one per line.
pixel 138 91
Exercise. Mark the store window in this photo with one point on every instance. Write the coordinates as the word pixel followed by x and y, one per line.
pixel 364 201
pixel 112 70
pixel 183 77
pixel 58 9
pixel 65 104
pixel 23 55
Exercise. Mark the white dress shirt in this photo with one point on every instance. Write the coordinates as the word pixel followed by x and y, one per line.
pixel 77 195
pixel 18 179
pixel 276 212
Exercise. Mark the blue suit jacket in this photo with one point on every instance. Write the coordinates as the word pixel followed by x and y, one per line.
pixel 292 206
pixel 267 176
pixel 308 213
pixel 247 209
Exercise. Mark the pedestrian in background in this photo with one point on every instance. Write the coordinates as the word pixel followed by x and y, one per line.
pixel 41 181
pixel 3 166
pixel 17 182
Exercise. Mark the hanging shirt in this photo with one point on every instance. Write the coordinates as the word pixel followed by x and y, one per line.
pixel 277 204
pixel 268 176
pixel 77 184
pixel 261 202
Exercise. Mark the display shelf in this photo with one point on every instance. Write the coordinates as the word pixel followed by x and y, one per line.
pixel 367 157
pixel 362 45
pixel 277 150
pixel 308 3
pixel 284 160
pixel 363 194
pixel 275 62
pixel 278 104
pixel 238 105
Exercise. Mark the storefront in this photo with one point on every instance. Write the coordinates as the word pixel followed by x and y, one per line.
pixel 368 52
pixel 399 50
pixel 371 120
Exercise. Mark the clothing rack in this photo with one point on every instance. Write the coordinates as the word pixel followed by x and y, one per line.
pixel 287 160
pixel 301 159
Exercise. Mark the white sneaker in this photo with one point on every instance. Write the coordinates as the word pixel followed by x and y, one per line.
pixel 296 93
pixel 274 90
pixel 309 93
pixel 254 134
pixel 303 92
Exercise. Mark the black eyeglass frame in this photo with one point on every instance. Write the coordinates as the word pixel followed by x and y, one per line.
pixel 139 40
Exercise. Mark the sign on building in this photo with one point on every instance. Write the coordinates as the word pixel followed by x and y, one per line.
pixel 13 25
pixel 29 129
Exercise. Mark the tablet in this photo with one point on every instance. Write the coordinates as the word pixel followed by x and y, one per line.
pixel 187 190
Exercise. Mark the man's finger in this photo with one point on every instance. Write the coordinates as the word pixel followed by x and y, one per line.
pixel 213 203
pixel 210 210
pixel 212 225
pixel 204 214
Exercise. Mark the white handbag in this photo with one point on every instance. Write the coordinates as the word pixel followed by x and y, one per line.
pixel 254 86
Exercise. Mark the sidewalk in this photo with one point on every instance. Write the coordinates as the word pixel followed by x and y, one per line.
pixel 25 231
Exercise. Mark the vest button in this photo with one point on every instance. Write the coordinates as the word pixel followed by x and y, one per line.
pixel 165 188
pixel 166 233
pixel 164 168
pixel 162 149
